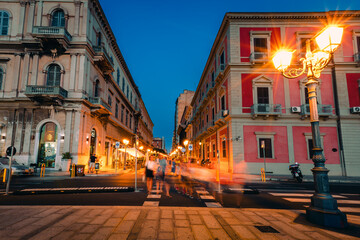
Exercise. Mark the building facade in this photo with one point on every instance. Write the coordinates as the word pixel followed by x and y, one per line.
pixel 248 114
pixel 65 86
pixel 159 143
pixel 181 102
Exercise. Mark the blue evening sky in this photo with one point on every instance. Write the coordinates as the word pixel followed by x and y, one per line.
pixel 166 43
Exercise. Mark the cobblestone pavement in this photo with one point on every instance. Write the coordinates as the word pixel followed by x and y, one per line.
pixel 91 222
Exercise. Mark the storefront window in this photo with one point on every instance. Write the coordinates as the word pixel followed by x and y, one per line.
pixel 47 145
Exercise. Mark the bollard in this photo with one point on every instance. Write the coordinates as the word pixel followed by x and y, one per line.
pixel 263 177
pixel 73 170
pixel 42 172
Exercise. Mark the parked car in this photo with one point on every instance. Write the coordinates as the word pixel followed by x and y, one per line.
pixel 17 169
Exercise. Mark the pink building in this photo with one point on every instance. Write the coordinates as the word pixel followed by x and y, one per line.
pixel 253 117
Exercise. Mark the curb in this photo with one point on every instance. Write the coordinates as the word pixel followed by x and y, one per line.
pixel 73 190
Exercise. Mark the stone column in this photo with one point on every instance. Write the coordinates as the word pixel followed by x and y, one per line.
pixel 77 17
pixel 67 133
pixel 17 69
pixel 76 132
pixel 22 18
pixel 71 84
pixel 35 70
pixel 39 13
pixel 81 68
pixel 28 131
pixel 84 19
pixel 30 20
pixel 18 132
pixel 25 72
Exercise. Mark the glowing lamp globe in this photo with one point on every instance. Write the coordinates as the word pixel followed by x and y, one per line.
pixel 282 60
pixel 329 39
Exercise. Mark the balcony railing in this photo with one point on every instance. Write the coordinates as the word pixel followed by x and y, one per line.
pixel 34 90
pixel 100 102
pixel 323 110
pixel 259 57
pixel 357 57
pixel 266 109
pixel 52 32
pixel 102 50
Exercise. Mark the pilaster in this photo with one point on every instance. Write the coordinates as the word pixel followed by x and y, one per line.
pixel 68 124
pixel 30 20
pixel 35 66
pixel 25 71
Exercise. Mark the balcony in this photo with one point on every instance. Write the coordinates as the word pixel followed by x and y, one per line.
pixel 52 37
pixel 220 117
pixel 103 60
pixel 265 110
pixel 47 95
pixel 357 58
pixel 100 106
pixel 323 110
pixel 259 57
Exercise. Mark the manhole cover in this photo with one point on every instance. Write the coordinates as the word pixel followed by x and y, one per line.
pixel 267 229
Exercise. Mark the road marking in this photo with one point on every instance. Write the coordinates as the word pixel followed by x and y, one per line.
pixel 349 201
pixel 240 189
pixel 154 196
pixel 207 197
pixel 349 209
pixel 302 200
pixel 151 204
pixel 282 190
pixel 213 205
pixel 299 195
pixel 203 192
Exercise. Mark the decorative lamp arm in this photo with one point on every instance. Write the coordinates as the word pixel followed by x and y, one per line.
pixel 294 72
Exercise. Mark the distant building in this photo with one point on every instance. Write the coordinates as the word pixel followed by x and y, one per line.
pixel 243 103
pixel 64 84
pixel 159 143
pixel 182 101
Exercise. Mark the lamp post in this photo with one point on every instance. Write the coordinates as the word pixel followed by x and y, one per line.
pixel 186 142
pixel 126 142
pixel 323 209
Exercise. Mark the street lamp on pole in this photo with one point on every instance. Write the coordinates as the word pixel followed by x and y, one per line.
pixel 186 142
pixel 323 209
pixel 126 142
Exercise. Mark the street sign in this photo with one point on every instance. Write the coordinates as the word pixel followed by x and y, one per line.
pixel 183 150
pixel 117 145
pixel 9 150
pixel 190 147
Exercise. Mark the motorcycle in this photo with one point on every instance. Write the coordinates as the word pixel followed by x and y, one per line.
pixel 296 172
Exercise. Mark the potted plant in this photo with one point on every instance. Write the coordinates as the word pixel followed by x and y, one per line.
pixel 66 161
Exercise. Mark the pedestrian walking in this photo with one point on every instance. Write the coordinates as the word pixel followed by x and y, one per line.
pixel 149 173
pixel 92 163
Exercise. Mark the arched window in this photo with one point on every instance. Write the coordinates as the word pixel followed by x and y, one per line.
pixel 58 18
pixel 53 75
pixel 1 77
pixel 97 88
pixel 4 23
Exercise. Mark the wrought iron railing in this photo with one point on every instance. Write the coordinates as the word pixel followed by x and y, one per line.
pixel 266 109
pixel 357 57
pixel 52 31
pixel 99 101
pixel 259 57
pixel 101 49
pixel 45 90
pixel 323 110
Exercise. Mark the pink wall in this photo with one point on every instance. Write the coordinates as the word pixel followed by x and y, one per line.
pixel 326 90
pixel 353 89
pixel 281 152
pixel 347 43
pixel 245 51
pixel 330 142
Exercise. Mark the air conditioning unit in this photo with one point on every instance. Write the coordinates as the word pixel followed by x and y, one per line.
pixel 225 113
pixel 295 109
pixel 355 110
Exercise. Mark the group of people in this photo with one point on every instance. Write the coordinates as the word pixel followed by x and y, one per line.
pixel 156 168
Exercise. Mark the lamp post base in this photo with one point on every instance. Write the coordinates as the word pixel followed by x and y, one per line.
pixel 327 218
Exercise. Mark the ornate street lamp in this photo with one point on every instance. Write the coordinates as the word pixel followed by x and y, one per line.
pixel 323 209
pixel 126 142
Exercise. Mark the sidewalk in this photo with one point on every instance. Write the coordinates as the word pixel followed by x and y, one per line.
pixel 113 222
pixel 101 173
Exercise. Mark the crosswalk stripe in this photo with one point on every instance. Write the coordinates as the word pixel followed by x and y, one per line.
pixel 213 204
pixel 282 190
pixel 154 196
pixel 151 204
pixel 299 195
pixel 202 192
pixel 207 197
pixel 302 200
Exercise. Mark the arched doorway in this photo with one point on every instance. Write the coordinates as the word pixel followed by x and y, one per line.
pixel 47 145
pixel 93 142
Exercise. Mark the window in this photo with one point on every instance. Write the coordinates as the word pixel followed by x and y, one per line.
pixel 122 113
pixel 98 39
pixel 118 77
pixel 263 95
pixel 310 143
pixel 53 75
pixel 356 38
pixel 4 23
pixel 123 85
pixel 213 115
pixel 207 118
pixel 213 151
pixel 223 143
pixel 306 95
pixel 130 97
pixel 97 88
pixel 213 79
pixel 58 18
pixel 208 151
pixel 130 122
pixel 265 147
pixel 222 103
pixel 222 61
pixel 117 110
pixel 127 91
pixel 260 45
pixel 1 77
pixel 109 100
pixel 127 118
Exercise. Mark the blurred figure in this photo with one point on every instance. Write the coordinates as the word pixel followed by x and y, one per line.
pixel 149 173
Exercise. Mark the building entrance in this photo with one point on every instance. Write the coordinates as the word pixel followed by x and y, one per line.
pixel 93 142
pixel 47 145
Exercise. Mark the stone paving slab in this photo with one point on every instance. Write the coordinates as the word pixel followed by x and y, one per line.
pixel 125 222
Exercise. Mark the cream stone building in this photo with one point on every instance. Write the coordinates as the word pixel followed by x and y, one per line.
pixel 64 84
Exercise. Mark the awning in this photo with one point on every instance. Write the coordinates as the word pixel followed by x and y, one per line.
pixel 131 151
